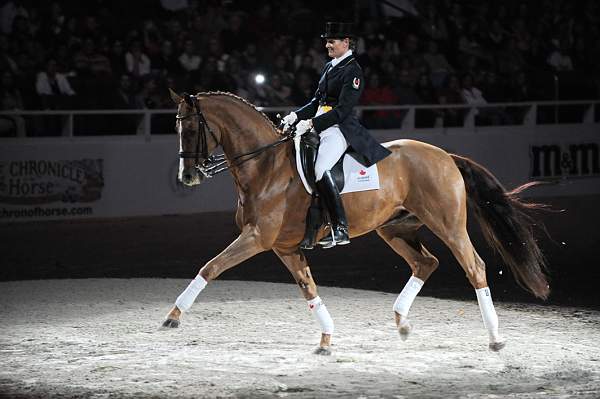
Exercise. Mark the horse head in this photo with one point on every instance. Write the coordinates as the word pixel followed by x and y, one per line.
pixel 196 139
pixel 208 120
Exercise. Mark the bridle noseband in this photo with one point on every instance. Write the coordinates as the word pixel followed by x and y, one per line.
pixel 213 164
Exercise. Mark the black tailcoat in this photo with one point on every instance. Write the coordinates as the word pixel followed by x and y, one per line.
pixel 341 87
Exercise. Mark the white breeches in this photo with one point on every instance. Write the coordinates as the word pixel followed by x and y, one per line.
pixel 332 147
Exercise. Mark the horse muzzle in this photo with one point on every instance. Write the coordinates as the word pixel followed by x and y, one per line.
pixel 191 177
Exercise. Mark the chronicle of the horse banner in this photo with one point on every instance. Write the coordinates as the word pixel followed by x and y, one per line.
pixel 28 182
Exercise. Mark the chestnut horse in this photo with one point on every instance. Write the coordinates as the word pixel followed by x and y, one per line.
pixel 420 184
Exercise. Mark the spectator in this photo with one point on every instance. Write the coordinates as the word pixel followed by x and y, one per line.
pixel 433 24
pixel 237 77
pixel 300 49
pixel 215 50
pixel 278 93
pixel 211 79
pixel 117 58
pixel 152 39
pixel 125 94
pixel 519 88
pixel 493 88
pixel 496 35
pixel 425 91
pixel 473 96
pixel 149 95
pixel 376 93
pixel 250 57
pixel 189 60
pixel 281 66
pixel 166 62
pixel 235 38
pixel 137 63
pixel 373 58
pixel 7 61
pixel 307 67
pixel 520 91
pixel 303 91
pixel 451 93
pixel 53 87
pixel 21 30
pixel 437 63
pixel 11 99
pixel 9 12
pixel 124 98
pixel 559 59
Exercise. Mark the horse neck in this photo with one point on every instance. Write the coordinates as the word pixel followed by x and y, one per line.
pixel 243 130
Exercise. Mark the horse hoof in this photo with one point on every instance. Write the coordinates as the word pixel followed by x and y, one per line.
pixel 170 323
pixel 496 346
pixel 323 351
pixel 404 329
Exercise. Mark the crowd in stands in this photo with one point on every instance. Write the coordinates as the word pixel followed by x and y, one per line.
pixel 124 55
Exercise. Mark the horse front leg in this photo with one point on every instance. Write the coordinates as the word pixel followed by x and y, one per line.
pixel 245 246
pixel 296 263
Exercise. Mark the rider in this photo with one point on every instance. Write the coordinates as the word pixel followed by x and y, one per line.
pixel 330 114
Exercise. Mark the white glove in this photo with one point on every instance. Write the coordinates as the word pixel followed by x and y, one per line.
pixel 289 119
pixel 303 127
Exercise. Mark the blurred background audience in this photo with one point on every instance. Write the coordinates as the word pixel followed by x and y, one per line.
pixel 103 55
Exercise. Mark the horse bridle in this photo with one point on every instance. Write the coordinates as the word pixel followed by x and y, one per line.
pixel 201 143
pixel 213 164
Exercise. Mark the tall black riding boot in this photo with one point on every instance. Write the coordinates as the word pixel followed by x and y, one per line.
pixel 333 201
pixel 309 145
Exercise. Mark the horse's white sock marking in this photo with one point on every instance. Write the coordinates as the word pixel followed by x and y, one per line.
pixel 188 296
pixel 488 313
pixel 318 309
pixel 408 295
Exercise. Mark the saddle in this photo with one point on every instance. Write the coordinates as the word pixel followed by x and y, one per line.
pixel 315 216
pixel 309 148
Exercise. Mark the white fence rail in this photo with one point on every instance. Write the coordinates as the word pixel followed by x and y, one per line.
pixel 588 114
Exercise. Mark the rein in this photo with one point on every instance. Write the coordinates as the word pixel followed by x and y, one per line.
pixel 213 164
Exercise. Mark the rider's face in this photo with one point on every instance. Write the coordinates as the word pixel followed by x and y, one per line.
pixel 337 47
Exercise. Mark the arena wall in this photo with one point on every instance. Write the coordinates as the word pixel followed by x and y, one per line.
pixel 123 176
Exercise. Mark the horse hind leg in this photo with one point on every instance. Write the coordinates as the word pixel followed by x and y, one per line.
pixel 406 244
pixel 474 267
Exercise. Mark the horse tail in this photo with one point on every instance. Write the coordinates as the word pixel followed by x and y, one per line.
pixel 507 224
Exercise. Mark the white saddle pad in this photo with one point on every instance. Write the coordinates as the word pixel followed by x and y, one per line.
pixel 356 176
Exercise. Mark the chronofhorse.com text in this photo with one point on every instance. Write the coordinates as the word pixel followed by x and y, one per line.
pixel 44 212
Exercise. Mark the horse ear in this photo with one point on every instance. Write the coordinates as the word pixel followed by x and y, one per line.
pixel 175 97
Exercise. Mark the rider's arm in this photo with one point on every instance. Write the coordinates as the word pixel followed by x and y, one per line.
pixel 309 110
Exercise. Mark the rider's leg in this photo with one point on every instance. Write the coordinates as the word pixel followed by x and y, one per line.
pixel 333 145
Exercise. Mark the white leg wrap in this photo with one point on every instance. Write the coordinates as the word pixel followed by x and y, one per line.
pixel 318 309
pixel 488 313
pixel 188 296
pixel 407 296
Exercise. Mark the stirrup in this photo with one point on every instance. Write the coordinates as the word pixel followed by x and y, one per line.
pixel 330 240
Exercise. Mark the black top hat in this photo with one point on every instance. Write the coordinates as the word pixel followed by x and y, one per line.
pixel 338 30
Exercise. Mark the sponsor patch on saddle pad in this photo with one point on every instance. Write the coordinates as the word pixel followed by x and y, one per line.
pixel 357 177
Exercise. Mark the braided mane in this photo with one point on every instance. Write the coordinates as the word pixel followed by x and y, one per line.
pixel 243 101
